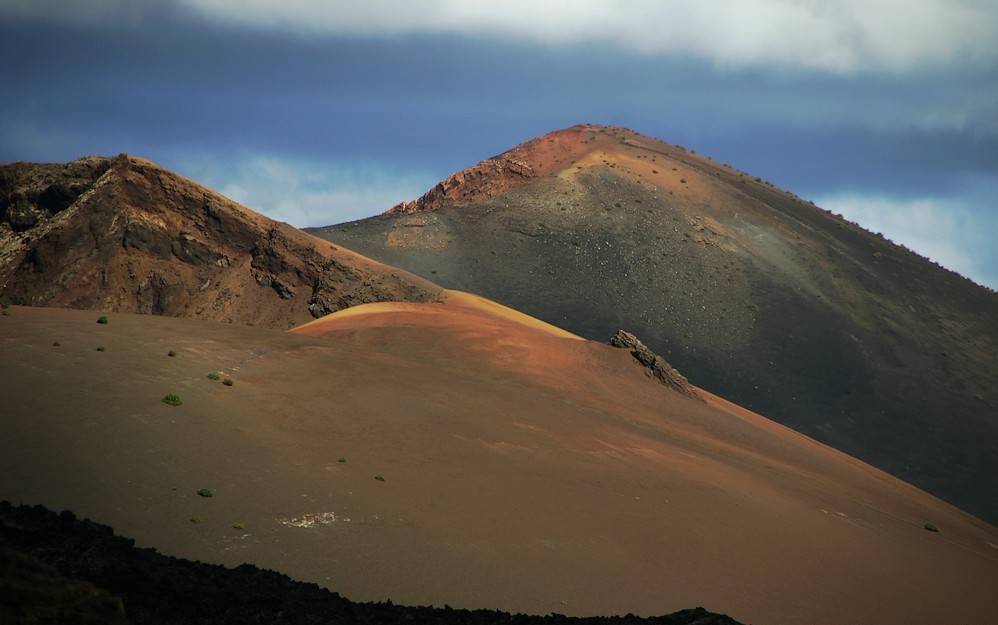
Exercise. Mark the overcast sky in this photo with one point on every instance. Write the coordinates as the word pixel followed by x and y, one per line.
pixel 317 112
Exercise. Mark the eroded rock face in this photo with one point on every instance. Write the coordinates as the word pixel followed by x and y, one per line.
pixel 31 193
pixel 656 365
pixel 487 179
pixel 121 234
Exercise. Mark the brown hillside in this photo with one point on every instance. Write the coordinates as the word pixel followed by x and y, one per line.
pixel 121 234
pixel 749 291
pixel 461 453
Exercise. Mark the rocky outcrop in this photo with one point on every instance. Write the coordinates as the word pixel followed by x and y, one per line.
pixel 123 235
pixel 656 366
pixel 487 179
pixel 169 591
pixel 31 193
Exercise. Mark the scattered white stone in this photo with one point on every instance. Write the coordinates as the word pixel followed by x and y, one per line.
pixel 311 519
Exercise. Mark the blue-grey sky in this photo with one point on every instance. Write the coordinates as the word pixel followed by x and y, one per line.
pixel 317 112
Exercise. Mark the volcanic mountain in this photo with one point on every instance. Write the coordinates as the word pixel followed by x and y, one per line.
pixel 462 453
pixel 750 291
pixel 121 234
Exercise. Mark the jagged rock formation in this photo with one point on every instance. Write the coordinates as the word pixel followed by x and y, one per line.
pixel 657 366
pixel 121 234
pixel 752 292
pixel 171 591
pixel 489 178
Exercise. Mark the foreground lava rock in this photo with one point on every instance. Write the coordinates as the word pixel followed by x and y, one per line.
pixel 164 590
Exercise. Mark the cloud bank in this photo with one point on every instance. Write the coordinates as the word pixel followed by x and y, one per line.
pixel 842 36
pixel 846 36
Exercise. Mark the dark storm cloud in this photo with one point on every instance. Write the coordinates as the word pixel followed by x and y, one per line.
pixel 184 82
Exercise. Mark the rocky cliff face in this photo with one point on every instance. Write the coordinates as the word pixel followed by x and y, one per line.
pixel 121 234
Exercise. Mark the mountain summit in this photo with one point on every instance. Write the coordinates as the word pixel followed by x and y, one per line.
pixel 750 291
pixel 124 235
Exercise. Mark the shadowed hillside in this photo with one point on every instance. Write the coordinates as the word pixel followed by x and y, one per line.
pixel 751 292
pixel 121 234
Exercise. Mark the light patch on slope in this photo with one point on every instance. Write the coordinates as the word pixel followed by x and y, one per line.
pixel 476 302
pixel 957 236
pixel 311 519
pixel 452 300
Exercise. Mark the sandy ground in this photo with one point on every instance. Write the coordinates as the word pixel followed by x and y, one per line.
pixel 519 469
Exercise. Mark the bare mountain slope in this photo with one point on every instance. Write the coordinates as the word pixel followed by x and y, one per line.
pixel 749 291
pixel 121 234
pixel 462 453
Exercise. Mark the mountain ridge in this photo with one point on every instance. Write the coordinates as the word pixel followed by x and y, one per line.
pixel 122 234
pixel 750 291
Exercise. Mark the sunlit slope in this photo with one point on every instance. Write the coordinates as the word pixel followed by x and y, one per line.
pixel 452 453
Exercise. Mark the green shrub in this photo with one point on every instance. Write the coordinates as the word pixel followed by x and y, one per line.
pixel 380 478
pixel 227 381
pixel 102 320
pixel 932 527
pixel 205 492
pixel 195 519
pixel 100 349
pixel 173 399
pixel 56 344
pixel 238 526
pixel 214 376
pixel 343 459
pixel 171 353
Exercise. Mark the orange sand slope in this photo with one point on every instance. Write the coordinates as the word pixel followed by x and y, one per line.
pixel 520 468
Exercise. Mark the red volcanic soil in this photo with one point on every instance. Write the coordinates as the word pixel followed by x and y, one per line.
pixel 514 168
pixel 564 153
pixel 462 453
